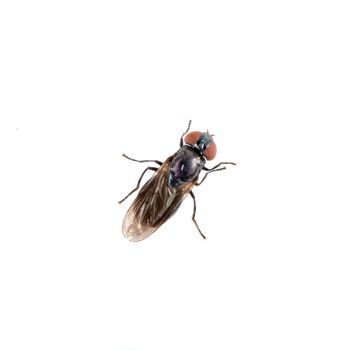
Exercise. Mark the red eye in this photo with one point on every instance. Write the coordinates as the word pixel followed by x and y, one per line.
pixel 210 152
pixel 192 137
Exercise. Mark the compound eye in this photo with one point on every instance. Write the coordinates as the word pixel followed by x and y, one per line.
pixel 192 137
pixel 210 152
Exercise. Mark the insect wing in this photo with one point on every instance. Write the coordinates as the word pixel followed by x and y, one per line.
pixel 155 204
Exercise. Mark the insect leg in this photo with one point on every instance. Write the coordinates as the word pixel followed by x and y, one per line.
pixel 188 128
pixel 210 171
pixel 142 161
pixel 138 183
pixel 217 165
pixel 194 214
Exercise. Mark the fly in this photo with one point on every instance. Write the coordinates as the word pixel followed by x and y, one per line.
pixel 161 196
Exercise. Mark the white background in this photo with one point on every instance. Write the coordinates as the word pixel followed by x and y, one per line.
pixel 84 81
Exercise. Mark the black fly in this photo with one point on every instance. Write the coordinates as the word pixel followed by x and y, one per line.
pixel 163 193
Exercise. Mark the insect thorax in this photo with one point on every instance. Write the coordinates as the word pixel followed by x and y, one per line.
pixel 185 166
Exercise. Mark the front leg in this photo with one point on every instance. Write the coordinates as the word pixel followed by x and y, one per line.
pixel 142 161
pixel 217 165
pixel 188 128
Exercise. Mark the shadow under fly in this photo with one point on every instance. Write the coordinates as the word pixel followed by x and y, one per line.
pixel 161 196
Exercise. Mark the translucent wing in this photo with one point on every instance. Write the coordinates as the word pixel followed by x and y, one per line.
pixel 155 203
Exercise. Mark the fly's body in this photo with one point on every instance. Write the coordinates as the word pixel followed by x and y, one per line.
pixel 185 166
pixel 163 193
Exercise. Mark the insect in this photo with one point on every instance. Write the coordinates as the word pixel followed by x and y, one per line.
pixel 161 196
